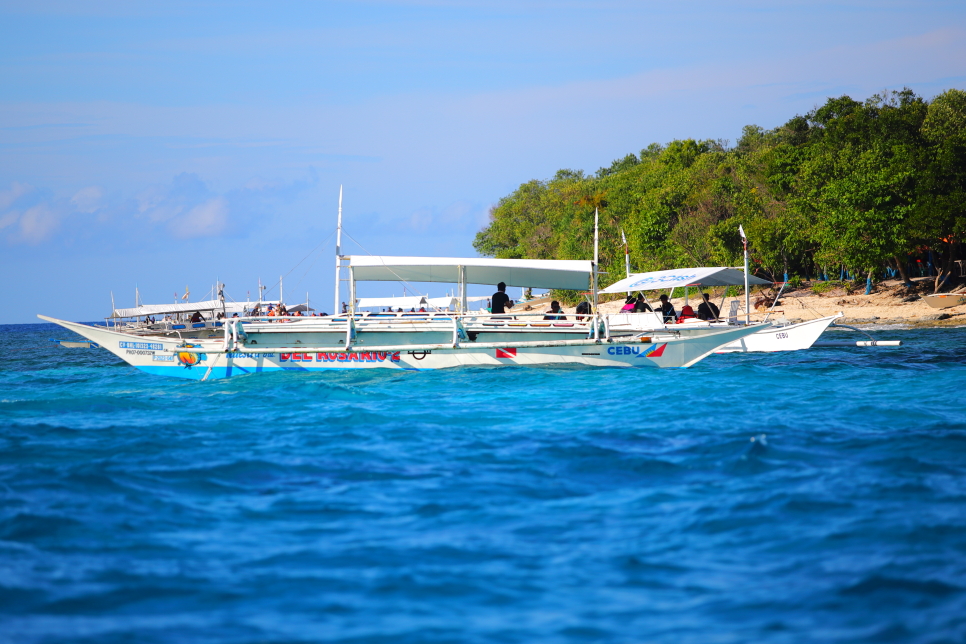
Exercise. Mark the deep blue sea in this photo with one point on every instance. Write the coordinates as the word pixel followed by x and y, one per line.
pixel 814 496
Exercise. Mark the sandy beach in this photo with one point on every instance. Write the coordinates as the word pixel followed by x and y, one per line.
pixel 890 303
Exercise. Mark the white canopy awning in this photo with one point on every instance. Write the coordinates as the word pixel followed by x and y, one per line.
pixel 536 273
pixel 406 302
pixel 443 302
pixel 678 277
pixel 182 307
pixel 412 302
pixel 187 307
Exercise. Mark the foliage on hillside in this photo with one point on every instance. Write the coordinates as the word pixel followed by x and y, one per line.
pixel 851 185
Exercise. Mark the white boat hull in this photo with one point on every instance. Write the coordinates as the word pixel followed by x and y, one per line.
pixel 204 359
pixel 791 337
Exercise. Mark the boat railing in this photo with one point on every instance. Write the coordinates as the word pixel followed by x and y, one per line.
pixel 461 325
pixel 366 319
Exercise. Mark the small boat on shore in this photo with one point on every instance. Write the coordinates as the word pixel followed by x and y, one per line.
pixel 944 300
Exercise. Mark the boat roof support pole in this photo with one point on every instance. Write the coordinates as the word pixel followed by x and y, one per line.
pixel 744 241
pixel 352 291
pixel 338 256
pixel 593 285
pixel 462 289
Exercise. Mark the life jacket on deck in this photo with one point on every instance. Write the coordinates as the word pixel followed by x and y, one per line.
pixel 687 313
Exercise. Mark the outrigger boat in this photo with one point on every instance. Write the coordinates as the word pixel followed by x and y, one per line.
pixel 417 341
pixel 174 320
pixel 780 336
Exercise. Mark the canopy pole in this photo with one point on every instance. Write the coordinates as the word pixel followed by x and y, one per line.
pixel 744 241
pixel 338 256
pixel 352 291
pixel 594 285
pixel 462 270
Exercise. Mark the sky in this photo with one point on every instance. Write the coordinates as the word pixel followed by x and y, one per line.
pixel 154 147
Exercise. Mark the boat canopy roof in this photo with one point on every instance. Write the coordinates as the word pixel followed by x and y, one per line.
pixel 184 307
pixel 678 277
pixel 406 301
pixel 535 273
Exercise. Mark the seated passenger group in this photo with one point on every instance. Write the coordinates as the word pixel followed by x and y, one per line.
pixel 707 310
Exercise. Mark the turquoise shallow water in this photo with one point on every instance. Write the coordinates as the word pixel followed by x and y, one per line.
pixel 815 496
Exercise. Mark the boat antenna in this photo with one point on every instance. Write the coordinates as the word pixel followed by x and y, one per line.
pixel 338 254
pixel 744 241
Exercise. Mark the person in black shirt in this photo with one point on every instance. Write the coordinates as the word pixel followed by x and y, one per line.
pixel 668 310
pixel 642 306
pixel 500 300
pixel 707 309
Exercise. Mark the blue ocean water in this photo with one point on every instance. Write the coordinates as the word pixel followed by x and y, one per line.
pixel 815 496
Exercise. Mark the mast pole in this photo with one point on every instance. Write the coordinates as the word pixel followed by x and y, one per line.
pixel 338 256
pixel 744 241
pixel 594 285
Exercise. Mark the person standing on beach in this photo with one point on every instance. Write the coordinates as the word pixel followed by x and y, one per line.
pixel 500 300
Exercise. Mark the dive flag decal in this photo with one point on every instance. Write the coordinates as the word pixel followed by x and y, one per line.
pixel 506 353
pixel 654 352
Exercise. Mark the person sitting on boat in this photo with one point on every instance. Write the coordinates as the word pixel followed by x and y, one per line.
pixel 629 305
pixel 583 309
pixel 641 305
pixel 687 313
pixel 707 310
pixel 667 309
pixel 197 317
pixel 500 300
pixel 554 313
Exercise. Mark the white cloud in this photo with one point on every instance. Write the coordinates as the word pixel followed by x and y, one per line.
pixel 38 223
pixel 205 220
pixel 87 199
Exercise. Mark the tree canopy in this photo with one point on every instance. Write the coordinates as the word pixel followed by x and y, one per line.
pixel 850 186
